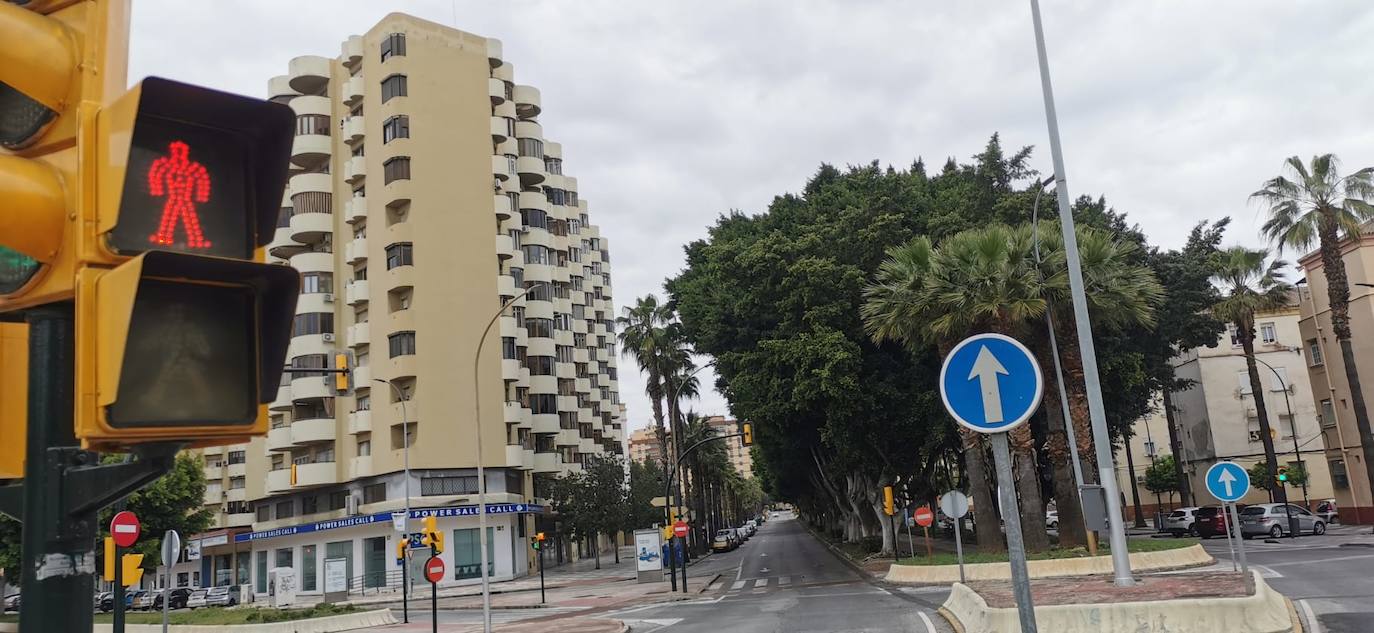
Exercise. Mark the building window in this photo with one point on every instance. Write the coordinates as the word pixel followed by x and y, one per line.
pixel 508 347
pixel 448 485
pixel 286 509
pixel 539 327
pixel 1314 352
pixel 1268 334
pixel 260 581
pixel 396 168
pixel 399 254
pixel 309 361
pixel 543 403
pixel 312 202
pixel 364 448
pixel 535 254
pixel 534 218
pixel 317 282
pixel 399 441
pixel 553 165
pixel 237 483
pixel 313 323
pixel 338 500
pixel 1339 477
pixel 237 457
pixel 540 365
pixel 539 291
pixel 264 512
pixel 1278 379
pixel 374 493
pixel 393 86
pixel 395 127
pixel 401 344
pixel 1328 415
pixel 531 147
pixel 310 505
pixel 312 124
pixel 308 567
pixel 394 46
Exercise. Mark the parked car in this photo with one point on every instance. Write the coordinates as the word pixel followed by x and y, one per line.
pixel 102 597
pixel 196 599
pixel 1180 522
pixel 130 598
pixel 12 602
pixel 723 542
pixel 1328 512
pixel 221 597
pixel 143 601
pixel 1209 521
pixel 1271 519
pixel 1052 519
pixel 177 601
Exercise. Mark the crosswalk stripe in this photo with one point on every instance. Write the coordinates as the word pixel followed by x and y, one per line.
pixel 784 581
pixel 739 584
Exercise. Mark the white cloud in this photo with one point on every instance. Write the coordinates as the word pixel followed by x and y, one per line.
pixel 673 112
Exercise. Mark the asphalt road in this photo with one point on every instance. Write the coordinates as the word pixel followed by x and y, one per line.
pixel 1327 577
pixel 784 580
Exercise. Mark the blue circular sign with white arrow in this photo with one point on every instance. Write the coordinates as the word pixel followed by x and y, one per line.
pixel 991 383
pixel 1227 481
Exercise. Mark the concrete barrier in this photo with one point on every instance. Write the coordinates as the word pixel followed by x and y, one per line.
pixel 1265 611
pixel 327 624
pixel 1191 556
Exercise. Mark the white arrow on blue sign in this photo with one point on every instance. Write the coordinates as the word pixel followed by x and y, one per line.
pixel 991 383
pixel 1227 481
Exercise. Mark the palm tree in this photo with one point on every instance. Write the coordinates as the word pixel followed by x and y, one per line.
pixel 1314 203
pixel 642 333
pixel 1249 286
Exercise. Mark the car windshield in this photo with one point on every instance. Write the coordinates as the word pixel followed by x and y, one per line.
pixel 1253 511
pixel 1176 514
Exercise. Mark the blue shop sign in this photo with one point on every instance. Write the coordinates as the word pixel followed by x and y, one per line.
pixel 365 519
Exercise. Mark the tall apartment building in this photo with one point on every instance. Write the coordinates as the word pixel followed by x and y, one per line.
pixel 644 445
pixel 739 454
pixel 423 195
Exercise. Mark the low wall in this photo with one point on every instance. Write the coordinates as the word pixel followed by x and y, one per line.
pixel 1191 556
pixel 327 624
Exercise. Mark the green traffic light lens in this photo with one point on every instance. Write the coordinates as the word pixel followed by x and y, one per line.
pixel 16 269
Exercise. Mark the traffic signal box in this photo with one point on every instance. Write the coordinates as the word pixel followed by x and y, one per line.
pixel 747 434
pixel 1282 477
pixel 149 208
pixel 889 502
pixel 132 564
pixel 431 537
pixel 537 542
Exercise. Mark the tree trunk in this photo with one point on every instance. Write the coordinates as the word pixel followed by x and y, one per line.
pixel 1246 330
pixel 1185 490
pixel 596 548
pixel 1071 530
pixel 1338 295
pixel 655 399
pixel 1072 361
pixel 1027 474
pixel 1135 487
pixel 988 530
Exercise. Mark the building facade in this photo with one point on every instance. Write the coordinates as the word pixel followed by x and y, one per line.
pixel 739 454
pixel 644 445
pixel 423 195
pixel 1217 420
pixel 1326 370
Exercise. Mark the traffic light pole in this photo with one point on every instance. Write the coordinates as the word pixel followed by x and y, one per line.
pixel 65 487
pixel 668 497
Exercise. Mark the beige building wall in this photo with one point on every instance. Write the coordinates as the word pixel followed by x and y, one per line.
pixel 739 454
pixel 413 214
pixel 1326 370
pixel 644 445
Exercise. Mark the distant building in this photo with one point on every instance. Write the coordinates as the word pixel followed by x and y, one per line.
pixel 644 445
pixel 739 453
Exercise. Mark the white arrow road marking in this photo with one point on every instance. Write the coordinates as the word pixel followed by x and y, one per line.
pixel 764 570
pixel 985 369
pixel 1226 479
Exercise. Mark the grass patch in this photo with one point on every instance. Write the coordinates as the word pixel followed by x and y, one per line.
pixel 219 616
pixel 1133 545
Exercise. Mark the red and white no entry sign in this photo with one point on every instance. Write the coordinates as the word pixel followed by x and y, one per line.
pixel 124 528
pixel 923 516
pixel 434 569
pixel 680 529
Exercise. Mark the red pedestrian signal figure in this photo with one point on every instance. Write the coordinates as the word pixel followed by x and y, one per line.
pixel 184 182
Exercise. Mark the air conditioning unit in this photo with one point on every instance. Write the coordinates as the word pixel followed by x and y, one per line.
pixel 328 337
pixel 329 297
pixel 1254 436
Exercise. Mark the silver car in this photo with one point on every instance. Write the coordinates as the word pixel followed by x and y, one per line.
pixel 1271 519
pixel 1180 522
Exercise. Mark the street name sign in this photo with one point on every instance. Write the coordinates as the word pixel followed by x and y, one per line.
pixel 991 383
pixel 1227 481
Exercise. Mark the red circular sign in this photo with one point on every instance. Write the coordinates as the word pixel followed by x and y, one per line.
pixel 924 517
pixel 434 569
pixel 124 528
pixel 680 529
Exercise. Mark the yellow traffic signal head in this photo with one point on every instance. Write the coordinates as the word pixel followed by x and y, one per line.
pixel 747 437
pixel 343 376
pixel 14 398
pixel 430 524
pixel 889 503
pixel 37 70
pixel 539 537
pixel 1283 473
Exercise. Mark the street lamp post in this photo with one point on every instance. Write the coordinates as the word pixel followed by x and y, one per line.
pixel 481 472
pixel 677 450
pixel 405 438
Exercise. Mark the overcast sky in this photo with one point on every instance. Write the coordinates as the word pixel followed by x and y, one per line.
pixel 672 112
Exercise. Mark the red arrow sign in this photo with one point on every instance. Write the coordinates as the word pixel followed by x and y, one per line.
pixel 124 528
pixel 680 529
pixel 924 517
pixel 434 569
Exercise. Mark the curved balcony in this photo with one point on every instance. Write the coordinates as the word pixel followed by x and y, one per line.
pixel 236 470
pixel 356 292
pixel 515 456
pixel 308 344
pixel 359 334
pixel 362 375
pixel 351 52
pixel 354 128
pixel 529 129
pixel 505 286
pixel 539 272
pixel 279 438
pixel 500 167
pixel 279 89
pixel 310 228
pixel 400 277
pixel 356 250
pixel 239 519
pixel 501 203
pixel 537 237
pixel 355 209
pixel 356 169
pixel 510 370
pixel 213 472
pixel 493 52
pixel 311 431
pixel 404 367
pixel 312 262
pixel 236 494
pixel 401 321
pixel 282 246
pixel 504 247
pixel 317 474
pixel 310 387
pixel 311 182
pixel 360 467
pixel 496 89
pixel 308 74
pixel 561 274
pixel 545 463
pixel 544 422
pixel 553 149
pixel 504 71
pixel 279 480
pixel 540 346
pixel 531 170
pixel 546 385
pixel 283 401
pixel 498 129
pixel 398 194
pixel 353 90
pixel 534 199
pixel 359 422
pixel 516 414
pixel 527 102
pixel 315 302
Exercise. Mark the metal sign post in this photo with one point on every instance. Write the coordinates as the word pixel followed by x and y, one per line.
pixel 991 383
pixel 171 551
pixel 955 505
pixel 1240 549
pixel 909 543
pixel 1228 482
pixel 434 572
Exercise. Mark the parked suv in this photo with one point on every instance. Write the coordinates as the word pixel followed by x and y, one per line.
pixel 177 601
pixel 1209 521
pixel 1271 519
pixel 1180 522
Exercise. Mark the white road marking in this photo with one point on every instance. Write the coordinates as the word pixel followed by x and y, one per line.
pixel 784 581
pixel 1265 572
pixel 1314 625
pixel 665 622
pixel 930 626
pixel 739 584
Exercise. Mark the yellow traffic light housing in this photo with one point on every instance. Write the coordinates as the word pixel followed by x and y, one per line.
pixel 401 544
pixel 430 536
pixel 747 434
pixel 889 503
pixel 1282 477
pixel 14 386
pixel 133 569
pixel 343 375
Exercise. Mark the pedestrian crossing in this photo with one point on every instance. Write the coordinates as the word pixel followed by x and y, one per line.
pixel 724 585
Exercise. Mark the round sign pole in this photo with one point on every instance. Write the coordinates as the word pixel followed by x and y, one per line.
pixel 924 518
pixel 955 505
pixel 434 572
pixel 1228 482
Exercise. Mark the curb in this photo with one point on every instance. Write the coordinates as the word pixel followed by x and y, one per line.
pixel 1180 558
pixel 327 624
pixel 708 584
pixel 839 553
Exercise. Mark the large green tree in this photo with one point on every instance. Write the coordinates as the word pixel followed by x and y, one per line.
pixel 1314 203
